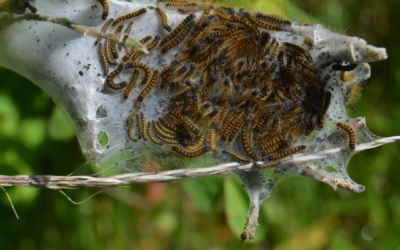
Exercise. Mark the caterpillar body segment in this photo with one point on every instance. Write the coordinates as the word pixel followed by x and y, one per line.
pixel 164 19
pixel 112 75
pixel 191 154
pixel 131 84
pixel 130 129
pixel 113 46
pixel 286 153
pixel 351 133
pixel 103 60
pixel 151 136
pixel 236 156
pixel 129 16
pixel 105 9
pixel 177 30
pixel 149 87
pixel 108 53
pixel 104 29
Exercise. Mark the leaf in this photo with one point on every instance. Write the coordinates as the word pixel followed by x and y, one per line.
pixel 205 191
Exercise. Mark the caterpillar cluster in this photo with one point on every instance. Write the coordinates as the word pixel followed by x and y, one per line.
pixel 231 83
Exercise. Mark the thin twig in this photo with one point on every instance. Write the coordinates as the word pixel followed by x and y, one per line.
pixel 78 203
pixel 121 38
pixel 62 182
pixel 9 199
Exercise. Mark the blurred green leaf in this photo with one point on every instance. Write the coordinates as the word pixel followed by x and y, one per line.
pixel 204 191
pixel 9 116
pixel 33 132
pixel 59 128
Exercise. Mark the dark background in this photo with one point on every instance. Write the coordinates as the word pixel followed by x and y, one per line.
pixel 35 138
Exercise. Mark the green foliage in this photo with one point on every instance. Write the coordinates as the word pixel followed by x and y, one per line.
pixel 195 214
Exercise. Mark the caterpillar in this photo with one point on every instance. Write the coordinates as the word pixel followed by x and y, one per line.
pixel 144 126
pixel 191 154
pixel 286 153
pixel 105 9
pixel 178 39
pixel 132 114
pixel 128 55
pixel 104 29
pixel 108 53
pixel 352 136
pixel 130 15
pixel 198 144
pixel 104 61
pixel 151 136
pixel 142 66
pixel 149 87
pixel 177 30
pixel 162 133
pixel 164 20
pixel 236 156
pixel 140 126
pixel 268 165
pixel 131 125
pixel 113 47
pixel 110 78
pixel 132 83
pixel 261 24
pixel 188 124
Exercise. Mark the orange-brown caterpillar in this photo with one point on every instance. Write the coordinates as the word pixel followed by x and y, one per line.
pixel 160 129
pixel 352 136
pixel 286 153
pixel 166 140
pixel 268 165
pixel 164 19
pixel 151 135
pixel 140 127
pixel 177 30
pixel 191 154
pixel 105 9
pixel 103 60
pixel 149 47
pixel 261 24
pixel 236 156
pixel 112 75
pixel 188 124
pixel 108 53
pixel 274 19
pixel 113 47
pixel 294 48
pixel 212 140
pixel 178 39
pixel 162 133
pixel 144 124
pixel 167 125
pixel 132 114
pixel 198 144
pixel 104 29
pixel 189 10
pixel 131 51
pixel 245 142
pixel 130 131
pixel 142 66
pixel 130 15
pixel 272 149
pixel 175 5
pixel 149 87
pixel 132 84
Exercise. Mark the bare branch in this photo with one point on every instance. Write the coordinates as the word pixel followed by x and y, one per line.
pixel 63 182
pixel 121 38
